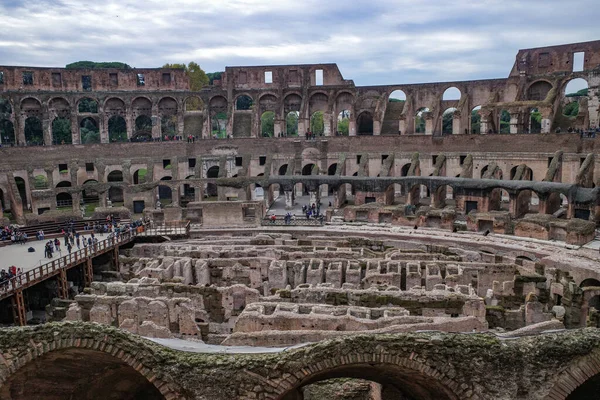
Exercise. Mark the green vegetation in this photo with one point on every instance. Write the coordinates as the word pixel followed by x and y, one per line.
pixel 219 122
pixel 5 107
pixel 214 75
pixel 243 103
pixel 292 123
pixel 475 121
pixel 34 133
pixel 420 122
pixel 169 125
pixel 447 122
pixel 198 78
pixel 88 106
pixel 504 122
pixel 582 92
pixel 96 65
pixel 571 109
pixel 267 124
pixel 142 175
pixel 61 131
pixel 536 121
pixel 317 125
pixel 40 182
pixel 392 100
pixel 89 132
pixel 117 129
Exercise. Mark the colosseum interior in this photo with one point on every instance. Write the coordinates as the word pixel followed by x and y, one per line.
pixel 455 254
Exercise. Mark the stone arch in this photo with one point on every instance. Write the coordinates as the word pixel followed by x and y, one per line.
pixel 317 123
pixel 64 199
pixel 292 102
pixel 420 124
pixel 441 196
pixel 538 90
pixel 521 173
pixel 523 203
pixel 34 132
pixel 167 106
pixel 397 95
pixel 414 377
pixel 268 102
pixel 243 102
pixel 5 107
pixel 499 200
pixel 344 100
pixel 573 383
pixel 331 171
pixel 117 129
pixel 318 102
pixel 574 101
pixel 140 176
pixel 141 106
pixel 89 131
pixel 452 93
pixel 590 282
pixel 115 176
pixel 61 131
pixel 292 119
pixel 60 107
pixel 31 106
pixel 114 106
pixel 63 184
pixel 475 120
pixel 7 132
pixel 193 103
pixel 218 115
pixel 143 123
pixel 282 170
pixel 448 121
pixel 267 124
pixel 491 172
pixel 129 352
pixel 364 123
pixel 87 105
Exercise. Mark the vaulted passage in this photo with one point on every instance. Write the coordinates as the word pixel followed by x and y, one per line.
pixel 588 391
pixel 78 374
pixel 396 382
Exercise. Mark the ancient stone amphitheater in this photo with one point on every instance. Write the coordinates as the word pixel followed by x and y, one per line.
pixel 446 265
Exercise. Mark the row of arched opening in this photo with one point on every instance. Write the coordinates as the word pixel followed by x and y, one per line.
pixel 89 132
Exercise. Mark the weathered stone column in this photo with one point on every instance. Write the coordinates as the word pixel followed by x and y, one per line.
pixel 155 122
pixel 514 122
pixel 175 192
pixel 289 199
pixel 75 137
pixel 315 197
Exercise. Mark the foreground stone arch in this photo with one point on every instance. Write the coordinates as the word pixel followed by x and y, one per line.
pixel 409 374
pixel 107 346
pixel 572 379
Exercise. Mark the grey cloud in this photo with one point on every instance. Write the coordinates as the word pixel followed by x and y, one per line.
pixel 374 42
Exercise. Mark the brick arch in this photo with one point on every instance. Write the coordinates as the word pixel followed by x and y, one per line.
pixel 317 371
pixel 575 375
pixel 134 360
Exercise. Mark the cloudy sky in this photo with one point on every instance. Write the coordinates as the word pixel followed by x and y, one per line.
pixel 373 42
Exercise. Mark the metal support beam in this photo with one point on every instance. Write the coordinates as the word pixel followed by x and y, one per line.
pixel 63 286
pixel 18 306
pixel 116 257
pixel 88 273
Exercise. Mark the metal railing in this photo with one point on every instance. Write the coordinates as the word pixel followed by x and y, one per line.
pixel 296 222
pixel 45 271
pixel 175 228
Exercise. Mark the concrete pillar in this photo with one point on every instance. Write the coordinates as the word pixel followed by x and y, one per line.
pixel 456 124
pixel 428 123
